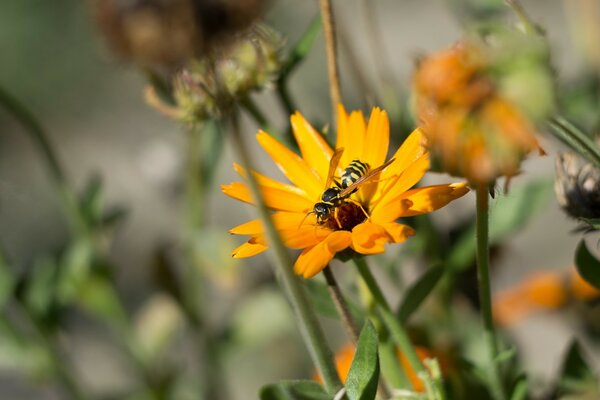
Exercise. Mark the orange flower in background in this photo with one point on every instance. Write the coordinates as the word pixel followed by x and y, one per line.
pixel 541 291
pixel 366 219
pixel 471 128
pixel 345 355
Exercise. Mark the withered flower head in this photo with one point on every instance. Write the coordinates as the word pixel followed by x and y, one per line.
pixel 164 34
pixel 473 119
pixel 577 186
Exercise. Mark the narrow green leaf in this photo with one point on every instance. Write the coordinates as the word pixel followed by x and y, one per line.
pixel 302 46
pixel 521 388
pixel 593 223
pixel 576 373
pixel 418 292
pixel 7 280
pixel 587 265
pixel 575 139
pixel 361 383
pixel 294 390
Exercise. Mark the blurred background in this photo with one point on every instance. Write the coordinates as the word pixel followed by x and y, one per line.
pixel 91 103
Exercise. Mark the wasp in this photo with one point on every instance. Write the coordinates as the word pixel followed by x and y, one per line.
pixel 338 192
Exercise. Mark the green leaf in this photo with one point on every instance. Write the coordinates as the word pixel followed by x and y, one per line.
pixel 576 374
pixel 7 281
pixel 593 223
pixel 418 292
pixel 508 215
pixel 575 139
pixel 521 389
pixel 302 47
pixel 294 390
pixel 361 383
pixel 587 265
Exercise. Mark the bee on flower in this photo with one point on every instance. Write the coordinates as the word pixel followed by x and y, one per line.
pixel 362 215
pixel 477 125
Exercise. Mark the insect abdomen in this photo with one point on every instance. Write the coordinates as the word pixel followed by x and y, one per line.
pixel 353 172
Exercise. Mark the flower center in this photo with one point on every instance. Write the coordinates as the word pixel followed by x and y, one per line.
pixel 348 216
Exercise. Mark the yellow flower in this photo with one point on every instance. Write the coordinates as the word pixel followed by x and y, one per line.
pixel 472 129
pixel 367 220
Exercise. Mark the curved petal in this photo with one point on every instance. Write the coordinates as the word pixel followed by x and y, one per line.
pixel 369 238
pixel 315 150
pixel 292 166
pixel 266 181
pixel 304 237
pixel 389 189
pixel 430 198
pixel 282 219
pixel 352 130
pixel 410 150
pixel 248 249
pixel 313 259
pixel 275 199
pixel 398 232
pixel 377 138
pixel 391 212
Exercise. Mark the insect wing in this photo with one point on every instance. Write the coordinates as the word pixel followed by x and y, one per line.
pixel 365 178
pixel 333 163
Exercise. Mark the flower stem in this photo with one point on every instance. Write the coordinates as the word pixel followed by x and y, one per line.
pixel 40 138
pixel 340 304
pixel 399 334
pixel 306 318
pixel 331 47
pixel 483 279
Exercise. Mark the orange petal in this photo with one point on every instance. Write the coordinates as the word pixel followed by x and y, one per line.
pixel 389 190
pixel 369 238
pixel 410 150
pixel 342 128
pixel 430 198
pixel 313 259
pixel 391 212
pixel 266 181
pixel 377 138
pixel 276 199
pixel 282 220
pixel 398 232
pixel 315 150
pixel 353 132
pixel 248 249
pixel 292 166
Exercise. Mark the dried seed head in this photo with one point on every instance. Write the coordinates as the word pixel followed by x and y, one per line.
pixel 577 186
pixel 164 34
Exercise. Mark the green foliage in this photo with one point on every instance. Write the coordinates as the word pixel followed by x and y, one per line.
pixel 576 374
pixel 508 215
pixel 294 390
pixel 418 292
pixel 587 265
pixel 361 383
pixel 322 302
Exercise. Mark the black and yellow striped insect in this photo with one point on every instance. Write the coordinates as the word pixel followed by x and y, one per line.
pixel 337 193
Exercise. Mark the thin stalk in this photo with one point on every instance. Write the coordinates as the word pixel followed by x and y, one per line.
pixel 340 305
pixel 259 117
pixel 39 136
pixel 305 316
pixel 397 331
pixel 213 384
pixel 285 99
pixel 331 48
pixel 483 280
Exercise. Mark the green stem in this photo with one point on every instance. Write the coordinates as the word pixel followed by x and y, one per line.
pixel 575 139
pixel 340 305
pixel 214 386
pixel 399 334
pixel 40 138
pixel 483 279
pixel 259 117
pixel 305 316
